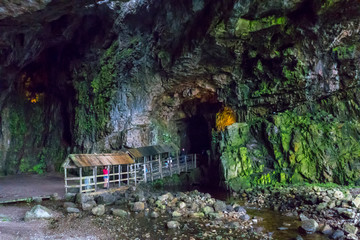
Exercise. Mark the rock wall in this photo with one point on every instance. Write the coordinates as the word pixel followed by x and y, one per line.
pixel 133 73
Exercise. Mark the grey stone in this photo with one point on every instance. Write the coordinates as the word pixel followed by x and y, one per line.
pixel 321 206
pixel 327 230
pixel 154 214
pixel 138 206
pixel 216 215
pixel 350 228
pixel 119 212
pixel 38 212
pixel 182 205
pixel 245 217
pixel 88 205
pixel 346 212
pixel 84 197
pixel 176 214
pixel 219 206
pixel 309 226
pixel 69 204
pixel 331 204
pixel 338 194
pixel 70 197
pixel 326 199
pixel 173 224
pixel 106 199
pixel 197 215
pixel 240 210
pixel 72 210
pixel 55 197
pixel 234 225
pixel 337 234
pixel 351 236
pixel 298 237
pixel 356 201
pixel 98 210
pixel 207 210
pixel 167 196
pixel 303 217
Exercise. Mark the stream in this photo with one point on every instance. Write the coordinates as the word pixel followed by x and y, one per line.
pixel 269 220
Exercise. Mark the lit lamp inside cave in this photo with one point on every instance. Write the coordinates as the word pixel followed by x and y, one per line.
pixel 225 118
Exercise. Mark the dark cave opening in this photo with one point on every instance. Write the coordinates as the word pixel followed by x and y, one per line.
pixel 196 137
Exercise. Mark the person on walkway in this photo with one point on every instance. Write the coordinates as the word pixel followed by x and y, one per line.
pixel 106 171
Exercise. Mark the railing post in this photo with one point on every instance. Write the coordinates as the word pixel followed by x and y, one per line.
pixel 160 166
pixel 95 178
pixel 127 171
pixel 195 160
pixel 108 177
pixel 170 163
pixel 186 167
pixel 135 173
pixel 119 175
pixel 80 173
pixel 178 162
pixel 151 169
pixel 65 178
pixel 145 180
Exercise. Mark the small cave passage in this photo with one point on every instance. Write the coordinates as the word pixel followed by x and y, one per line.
pixel 199 134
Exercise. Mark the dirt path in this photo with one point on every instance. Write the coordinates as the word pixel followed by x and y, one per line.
pixel 24 186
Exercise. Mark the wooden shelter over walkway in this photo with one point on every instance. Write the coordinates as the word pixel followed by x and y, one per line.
pixel 130 167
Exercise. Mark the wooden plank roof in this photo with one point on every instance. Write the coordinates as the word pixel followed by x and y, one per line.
pixel 91 160
pixel 151 150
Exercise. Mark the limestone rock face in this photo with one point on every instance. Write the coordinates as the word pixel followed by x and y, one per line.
pixel 292 68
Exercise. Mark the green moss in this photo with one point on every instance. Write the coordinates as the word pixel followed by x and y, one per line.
pixel 305 144
pixel 95 91
pixel 244 27
pixel 344 52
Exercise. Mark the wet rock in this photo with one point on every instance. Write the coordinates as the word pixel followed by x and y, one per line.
pixel 83 198
pixel 282 228
pixel 338 194
pixel 219 206
pixel 216 215
pixel 182 205
pixel 338 234
pixel 351 236
pixel 154 214
pixel 55 197
pixel 119 212
pixel 245 217
pixel 197 215
pixel 326 199
pixel 298 237
pixel 356 201
pixel 69 204
pixel 167 196
pixel 72 210
pixel 106 199
pixel 138 206
pixel 309 226
pixel 98 210
pixel 229 208
pixel 70 197
pixel 303 217
pixel 173 224
pixel 331 204
pixel 350 228
pixel 88 205
pixel 38 212
pixel 207 210
pixel 240 210
pixel 234 224
pixel 327 230
pixel 176 214
pixel 194 207
pixel 346 212
pixel 321 206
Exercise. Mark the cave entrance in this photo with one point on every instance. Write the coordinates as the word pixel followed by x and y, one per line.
pixel 195 129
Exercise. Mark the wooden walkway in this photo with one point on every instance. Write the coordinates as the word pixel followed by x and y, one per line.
pixel 132 174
